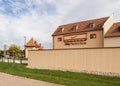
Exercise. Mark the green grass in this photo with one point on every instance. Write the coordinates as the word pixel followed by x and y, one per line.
pixel 60 77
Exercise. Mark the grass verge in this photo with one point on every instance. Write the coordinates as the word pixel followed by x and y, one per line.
pixel 59 77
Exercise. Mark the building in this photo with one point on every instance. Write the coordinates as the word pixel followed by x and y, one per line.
pixel 95 33
pixel 100 39
pixel 32 45
pixel 112 37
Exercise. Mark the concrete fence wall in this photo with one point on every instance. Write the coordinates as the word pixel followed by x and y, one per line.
pixel 106 60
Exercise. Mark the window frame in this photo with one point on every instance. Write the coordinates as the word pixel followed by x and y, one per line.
pixel 91 25
pixel 59 39
pixel 93 36
pixel 74 28
pixel 119 28
pixel 60 30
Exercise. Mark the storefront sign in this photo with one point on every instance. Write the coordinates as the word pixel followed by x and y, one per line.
pixel 75 43
pixel 75 38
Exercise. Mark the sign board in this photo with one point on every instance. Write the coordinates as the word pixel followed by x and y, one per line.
pixel 75 38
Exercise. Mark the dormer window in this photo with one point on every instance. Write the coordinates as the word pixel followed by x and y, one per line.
pixel 119 28
pixel 91 25
pixel 74 28
pixel 60 30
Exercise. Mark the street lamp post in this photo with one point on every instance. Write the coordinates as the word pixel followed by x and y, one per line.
pixel 5 46
pixel 24 45
pixel 24 40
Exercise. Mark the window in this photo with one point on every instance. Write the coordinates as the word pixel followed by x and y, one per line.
pixel 74 28
pixel 119 28
pixel 91 25
pixel 92 36
pixel 60 30
pixel 59 39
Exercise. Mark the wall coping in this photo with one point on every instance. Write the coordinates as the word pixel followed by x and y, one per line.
pixel 77 48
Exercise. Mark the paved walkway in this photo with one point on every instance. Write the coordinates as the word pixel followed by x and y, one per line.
pixel 11 80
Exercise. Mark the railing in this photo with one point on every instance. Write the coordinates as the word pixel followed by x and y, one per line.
pixel 14 60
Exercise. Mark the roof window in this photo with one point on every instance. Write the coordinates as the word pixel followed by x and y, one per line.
pixel 74 28
pixel 61 30
pixel 91 25
pixel 119 28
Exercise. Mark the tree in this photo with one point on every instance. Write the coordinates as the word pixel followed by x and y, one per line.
pixel 1 53
pixel 14 50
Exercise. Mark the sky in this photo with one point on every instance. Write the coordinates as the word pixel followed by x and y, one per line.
pixel 40 18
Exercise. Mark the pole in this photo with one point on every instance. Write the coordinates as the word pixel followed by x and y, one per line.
pixel 24 40
pixel 24 45
pixel 5 46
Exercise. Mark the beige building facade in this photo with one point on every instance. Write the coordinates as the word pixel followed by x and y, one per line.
pixel 112 42
pixel 85 42
pixel 87 34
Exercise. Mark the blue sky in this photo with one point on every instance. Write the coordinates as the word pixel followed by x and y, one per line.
pixel 16 8
pixel 39 18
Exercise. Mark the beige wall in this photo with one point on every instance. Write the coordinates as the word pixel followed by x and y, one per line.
pixel 27 49
pixel 96 60
pixel 112 42
pixel 90 43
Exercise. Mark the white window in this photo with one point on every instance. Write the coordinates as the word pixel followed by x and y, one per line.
pixel 61 30
pixel 74 28
pixel 91 25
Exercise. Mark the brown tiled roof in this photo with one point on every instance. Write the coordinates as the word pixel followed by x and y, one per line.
pixel 114 31
pixel 33 43
pixel 82 26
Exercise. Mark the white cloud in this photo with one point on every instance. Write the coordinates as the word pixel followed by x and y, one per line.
pixel 87 10
pixel 39 23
